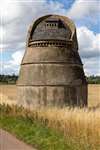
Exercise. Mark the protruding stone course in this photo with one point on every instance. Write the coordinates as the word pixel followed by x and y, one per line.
pixel 51 70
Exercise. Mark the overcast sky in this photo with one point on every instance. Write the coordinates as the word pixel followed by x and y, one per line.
pixel 16 15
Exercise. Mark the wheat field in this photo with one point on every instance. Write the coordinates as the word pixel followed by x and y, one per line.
pixel 79 124
pixel 94 95
pixel 8 94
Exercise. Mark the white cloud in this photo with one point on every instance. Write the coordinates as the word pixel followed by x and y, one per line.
pixel 82 8
pixel 16 58
pixel 89 49
pixel 9 10
pixel 89 42
pixel 2 33
pixel 12 66
pixel 92 66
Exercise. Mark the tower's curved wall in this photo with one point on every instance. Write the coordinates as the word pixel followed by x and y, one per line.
pixel 51 70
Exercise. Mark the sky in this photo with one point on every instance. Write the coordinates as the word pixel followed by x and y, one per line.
pixel 17 15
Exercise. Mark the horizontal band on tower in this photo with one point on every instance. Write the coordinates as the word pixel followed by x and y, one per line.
pixel 59 63
pixel 50 42
pixel 48 85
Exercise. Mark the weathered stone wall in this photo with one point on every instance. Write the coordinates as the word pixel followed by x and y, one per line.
pixel 49 74
pixel 51 54
pixel 52 95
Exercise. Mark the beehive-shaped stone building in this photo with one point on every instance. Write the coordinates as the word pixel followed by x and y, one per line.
pixel 51 70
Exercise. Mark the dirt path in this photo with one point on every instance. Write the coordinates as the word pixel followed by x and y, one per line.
pixel 9 142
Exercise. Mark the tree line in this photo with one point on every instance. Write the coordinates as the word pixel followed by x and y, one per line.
pixel 12 79
pixel 8 79
pixel 93 79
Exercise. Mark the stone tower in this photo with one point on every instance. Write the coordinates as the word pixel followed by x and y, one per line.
pixel 51 71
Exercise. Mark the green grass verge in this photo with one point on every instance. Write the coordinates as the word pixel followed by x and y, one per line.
pixel 35 134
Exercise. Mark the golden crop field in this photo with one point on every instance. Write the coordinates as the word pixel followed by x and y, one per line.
pixel 8 94
pixel 75 123
pixel 94 95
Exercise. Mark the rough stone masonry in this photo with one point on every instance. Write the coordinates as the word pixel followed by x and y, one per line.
pixel 51 71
